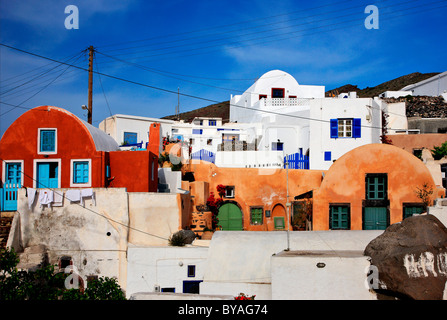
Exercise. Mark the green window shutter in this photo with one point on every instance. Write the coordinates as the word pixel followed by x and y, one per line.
pixel 409 211
pixel 279 222
pixel 256 216
pixel 339 217
pixel 376 187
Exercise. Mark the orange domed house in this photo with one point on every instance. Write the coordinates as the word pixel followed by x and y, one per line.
pixel 371 187
pixel 49 147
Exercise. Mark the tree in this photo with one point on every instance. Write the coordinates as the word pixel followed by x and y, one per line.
pixel 45 284
pixel 439 152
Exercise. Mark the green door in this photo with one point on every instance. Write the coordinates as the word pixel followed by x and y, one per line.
pixel 230 217
pixel 409 211
pixel 375 218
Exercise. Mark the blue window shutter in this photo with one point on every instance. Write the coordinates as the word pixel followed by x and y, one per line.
pixel 327 156
pixel 47 140
pixel 130 137
pixel 80 172
pixel 334 128
pixel 357 128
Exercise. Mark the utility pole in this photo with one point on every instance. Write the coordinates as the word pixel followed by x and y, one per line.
pixel 90 84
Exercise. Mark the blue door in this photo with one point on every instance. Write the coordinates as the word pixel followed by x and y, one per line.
pixel 13 181
pixel 47 175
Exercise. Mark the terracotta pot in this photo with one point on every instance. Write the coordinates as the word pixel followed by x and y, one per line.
pixel 207 235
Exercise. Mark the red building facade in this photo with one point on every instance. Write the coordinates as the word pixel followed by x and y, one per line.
pixel 49 147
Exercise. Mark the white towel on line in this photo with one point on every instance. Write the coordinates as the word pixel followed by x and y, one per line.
pixel 31 196
pixel 57 198
pixel 85 193
pixel 74 195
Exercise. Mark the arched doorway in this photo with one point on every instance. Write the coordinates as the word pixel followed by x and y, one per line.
pixel 279 217
pixel 230 217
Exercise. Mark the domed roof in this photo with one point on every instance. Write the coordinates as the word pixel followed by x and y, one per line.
pixel 273 78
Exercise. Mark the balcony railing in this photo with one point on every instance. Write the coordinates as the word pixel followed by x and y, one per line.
pixel 283 102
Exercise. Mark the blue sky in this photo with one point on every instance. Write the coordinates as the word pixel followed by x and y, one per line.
pixel 208 49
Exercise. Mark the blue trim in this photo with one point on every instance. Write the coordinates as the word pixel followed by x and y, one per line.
pixel 334 128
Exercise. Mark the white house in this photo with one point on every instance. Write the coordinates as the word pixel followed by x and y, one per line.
pixel 434 86
pixel 340 125
pixel 127 129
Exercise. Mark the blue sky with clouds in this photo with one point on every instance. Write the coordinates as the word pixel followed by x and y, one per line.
pixel 208 49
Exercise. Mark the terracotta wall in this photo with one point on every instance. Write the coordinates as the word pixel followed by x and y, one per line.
pixel 266 188
pixel 409 142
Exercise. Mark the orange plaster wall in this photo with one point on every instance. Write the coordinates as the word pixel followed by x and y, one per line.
pixel 409 142
pixel 345 182
pixel 258 187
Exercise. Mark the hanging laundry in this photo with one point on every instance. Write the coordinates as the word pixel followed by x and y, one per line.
pixel 31 196
pixel 57 198
pixel 74 195
pixel 45 197
pixel 87 193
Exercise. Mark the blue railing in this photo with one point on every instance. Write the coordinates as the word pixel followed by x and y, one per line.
pixel 297 161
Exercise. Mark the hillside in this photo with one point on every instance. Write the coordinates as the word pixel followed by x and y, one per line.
pixel 391 85
pixel 218 110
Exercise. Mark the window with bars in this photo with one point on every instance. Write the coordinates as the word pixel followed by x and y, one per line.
pixel 376 186
pixel 256 214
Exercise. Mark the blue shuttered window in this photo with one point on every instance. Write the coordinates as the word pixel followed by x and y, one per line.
pixel 357 126
pixel 197 131
pixel 346 128
pixel 80 171
pixel 47 140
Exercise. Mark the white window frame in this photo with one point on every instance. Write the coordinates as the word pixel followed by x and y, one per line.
pixel 343 128
pixel 22 163
pixel 59 167
pixel 81 185
pixel 38 141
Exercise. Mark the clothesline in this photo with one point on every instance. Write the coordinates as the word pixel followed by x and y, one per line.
pixel 52 198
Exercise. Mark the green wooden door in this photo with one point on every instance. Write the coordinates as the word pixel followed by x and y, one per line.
pixel 230 217
pixel 375 218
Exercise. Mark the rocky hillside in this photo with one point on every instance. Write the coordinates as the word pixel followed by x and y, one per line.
pixel 423 106
pixel 391 85
pixel 218 110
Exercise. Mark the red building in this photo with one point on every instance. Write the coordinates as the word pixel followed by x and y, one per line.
pixel 49 147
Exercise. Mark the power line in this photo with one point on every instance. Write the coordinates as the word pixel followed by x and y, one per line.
pixel 184 94
pixel 262 40
pixel 224 26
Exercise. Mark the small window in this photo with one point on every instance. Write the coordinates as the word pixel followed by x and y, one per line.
pixel 345 128
pixel 376 186
pixel 209 142
pixel 229 192
pixel 197 131
pixel 212 122
pixel 80 172
pixel 327 156
pixel 47 140
pixel 279 223
pixel 256 215
pixel 339 217
pixel 410 210
pixel 168 290
pixel 277 92
pixel 262 96
pixel 191 271
pixel 130 138
pixel 292 97
pixel 277 146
